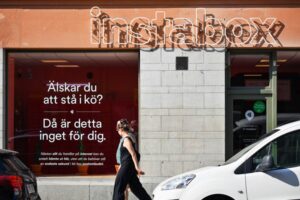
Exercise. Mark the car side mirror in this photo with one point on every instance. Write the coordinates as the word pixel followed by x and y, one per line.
pixel 266 164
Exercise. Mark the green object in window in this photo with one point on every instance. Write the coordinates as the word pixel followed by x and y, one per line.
pixel 259 107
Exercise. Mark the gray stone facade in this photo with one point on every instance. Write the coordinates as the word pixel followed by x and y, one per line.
pixel 182 113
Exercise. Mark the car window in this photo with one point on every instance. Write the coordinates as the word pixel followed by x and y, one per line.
pixel 288 150
pixel 11 163
pixel 3 166
pixel 19 163
pixel 246 149
pixel 240 154
pixel 7 165
pixel 285 151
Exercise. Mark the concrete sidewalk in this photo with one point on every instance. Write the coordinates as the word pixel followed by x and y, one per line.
pixel 84 188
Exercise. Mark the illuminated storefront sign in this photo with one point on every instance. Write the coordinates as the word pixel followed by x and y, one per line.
pixel 162 30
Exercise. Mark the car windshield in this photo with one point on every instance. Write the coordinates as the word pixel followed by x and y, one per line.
pixel 246 149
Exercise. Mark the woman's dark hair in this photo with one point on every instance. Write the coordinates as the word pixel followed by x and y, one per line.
pixel 123 124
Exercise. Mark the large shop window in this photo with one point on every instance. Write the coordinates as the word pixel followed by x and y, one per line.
pixel 249 70
pixel 288 90
pixel 63 108
pixel 251 89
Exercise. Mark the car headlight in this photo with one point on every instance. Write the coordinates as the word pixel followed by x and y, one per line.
pixel 178 183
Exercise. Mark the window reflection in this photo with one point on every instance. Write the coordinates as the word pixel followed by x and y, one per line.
pixel 32 108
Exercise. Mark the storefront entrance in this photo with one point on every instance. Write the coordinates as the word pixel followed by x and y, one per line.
pixel 63 108
pixel 262 93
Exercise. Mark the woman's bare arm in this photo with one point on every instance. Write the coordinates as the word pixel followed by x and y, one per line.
pixel 128 145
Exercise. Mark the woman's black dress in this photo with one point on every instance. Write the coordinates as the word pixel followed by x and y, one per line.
pixel 128 175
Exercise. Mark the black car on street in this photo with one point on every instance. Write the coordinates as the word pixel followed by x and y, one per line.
pixel 17 182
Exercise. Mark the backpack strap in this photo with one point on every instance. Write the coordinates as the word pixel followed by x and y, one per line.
pixel 133 145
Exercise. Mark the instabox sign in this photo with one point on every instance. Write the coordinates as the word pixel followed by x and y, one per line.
pixel 162 30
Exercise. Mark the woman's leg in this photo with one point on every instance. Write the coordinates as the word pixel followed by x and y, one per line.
pixel 137 188
pixel 126 193
pixel 121 182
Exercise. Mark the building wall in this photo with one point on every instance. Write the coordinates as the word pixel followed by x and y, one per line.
pixel 182 113
pixel 70 27
pixel 182 121
pixel 2 106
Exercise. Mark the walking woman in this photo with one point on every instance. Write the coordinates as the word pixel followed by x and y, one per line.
pixel 129 169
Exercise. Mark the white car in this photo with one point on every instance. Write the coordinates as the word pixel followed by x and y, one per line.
pixel 269 169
